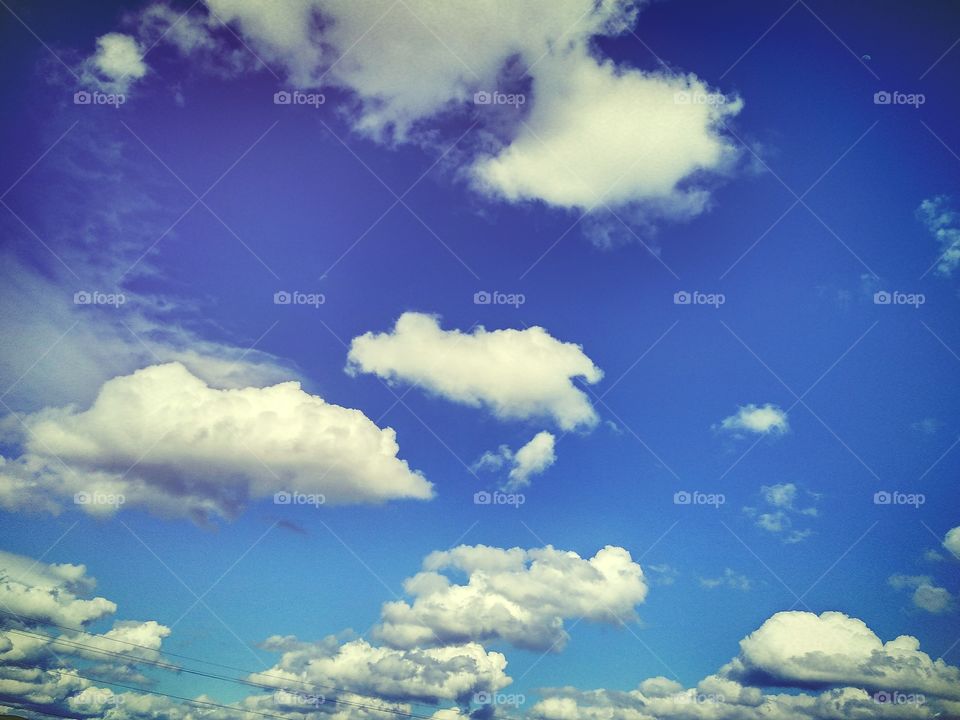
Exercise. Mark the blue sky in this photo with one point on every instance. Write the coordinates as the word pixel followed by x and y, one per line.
pixel 738 155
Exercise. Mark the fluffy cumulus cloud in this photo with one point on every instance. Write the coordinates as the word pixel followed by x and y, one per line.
pixel 454 672
pixel 851 672
pixel 517 374
pixel 531 459
pixel 40 669
pixel 832 649
pixel 163 439
pixel 602 135
pixel 757 419
pixel 520 596
pixel 37 664
pixel 943 222
pixel 117 62
pixel 52 593
pixel 926 594
pixel 588 132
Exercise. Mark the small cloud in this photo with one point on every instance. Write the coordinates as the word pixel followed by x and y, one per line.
pixel 532 459
pixel 926 595
pixel 760 420
pixel 781 502
pixel 773 522
pixel 729 579
pixel 927 426
pixel 781 495
pixel 932 555
pixel 116 64
pixel 662 574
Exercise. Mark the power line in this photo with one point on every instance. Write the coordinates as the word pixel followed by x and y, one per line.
pixel 211 676
pixel 184 657
pixel 132 659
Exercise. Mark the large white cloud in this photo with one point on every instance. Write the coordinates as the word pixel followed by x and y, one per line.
pixel 165 440
pixel 521 596
pixel 833 649
pixel 518 374
pixel 589 132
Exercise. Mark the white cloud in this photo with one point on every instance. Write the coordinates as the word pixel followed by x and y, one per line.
pixel 165 440
pixel 926 595
pixel 517 374
pixel 520 596
pixel 781 500
pixel 729 579
pixel 598 134
pixel 454 672
pixel 589 131
pixel 117 62
pixel 943 222
pixel 781 495
pixel 951 541
pixel 531 459
pixel 832 649
pixel 49 592
pixel 762 420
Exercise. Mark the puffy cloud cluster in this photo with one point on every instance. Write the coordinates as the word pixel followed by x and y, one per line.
pixel 531 459
pixel 32 656
pixel 453 672
pixel 53 593
pixel 589 132
pixel 757 419
pixel 163 439
pixel 517 374
pixel 516 595
pixel 856 674
pixel 832 649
